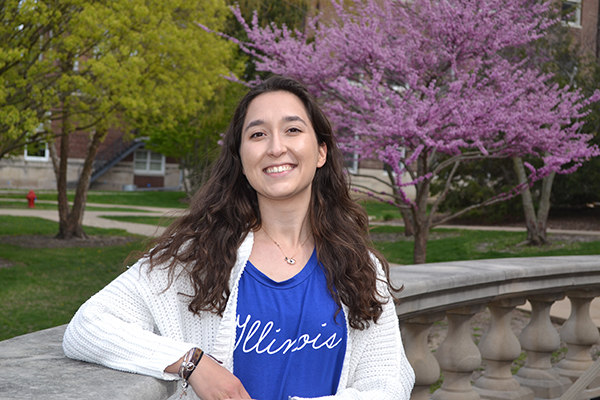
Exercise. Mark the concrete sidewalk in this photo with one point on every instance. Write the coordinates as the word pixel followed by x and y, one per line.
pixel 94 218
pixel 560 309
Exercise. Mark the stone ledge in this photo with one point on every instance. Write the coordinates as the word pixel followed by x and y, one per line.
pixel 441 286
pixel 34 366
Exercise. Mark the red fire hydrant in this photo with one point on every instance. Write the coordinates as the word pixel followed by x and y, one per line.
pixel 31 198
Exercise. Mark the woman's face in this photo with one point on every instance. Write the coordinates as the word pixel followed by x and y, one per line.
pixel 279 149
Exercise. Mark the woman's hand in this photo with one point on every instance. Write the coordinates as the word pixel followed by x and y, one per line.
pixel 210 381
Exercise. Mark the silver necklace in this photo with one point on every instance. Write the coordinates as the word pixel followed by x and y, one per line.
pixel 290 260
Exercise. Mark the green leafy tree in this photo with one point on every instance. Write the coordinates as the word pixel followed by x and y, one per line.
pixel 28 30
pixel 583 186
pixel 193 140
pixel 138 64
pixel 291 13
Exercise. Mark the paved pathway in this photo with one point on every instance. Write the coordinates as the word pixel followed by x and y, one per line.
pixel 94 218
pixel 560 309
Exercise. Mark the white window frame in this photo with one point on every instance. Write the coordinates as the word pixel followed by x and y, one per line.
pixel 147 170
pixel 577 22
pixel 351 163
pixel 45 157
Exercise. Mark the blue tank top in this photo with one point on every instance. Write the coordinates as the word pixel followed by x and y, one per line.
pixel 288 342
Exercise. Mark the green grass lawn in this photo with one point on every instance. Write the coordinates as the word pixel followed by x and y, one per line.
pixel 142 198
pixel 376 209
pixel 47 286
pixel 380 211
pixel 456 245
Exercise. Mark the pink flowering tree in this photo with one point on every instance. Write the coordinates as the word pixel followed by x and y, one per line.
pixel 426 85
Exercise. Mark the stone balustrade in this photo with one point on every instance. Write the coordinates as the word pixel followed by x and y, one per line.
pixel 33 366
pixel 459 290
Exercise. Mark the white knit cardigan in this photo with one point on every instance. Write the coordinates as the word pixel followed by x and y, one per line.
pixel 135 325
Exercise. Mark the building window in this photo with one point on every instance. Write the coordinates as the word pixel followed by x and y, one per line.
pixel 37 152
pixel 571 11
pixel 351 162
pixel 148 162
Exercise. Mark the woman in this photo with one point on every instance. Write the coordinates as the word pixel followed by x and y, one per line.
pixel 271 273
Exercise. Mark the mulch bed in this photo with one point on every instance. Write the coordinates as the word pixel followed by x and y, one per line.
pixel 583 219
pixel 4 263
pixel 580 219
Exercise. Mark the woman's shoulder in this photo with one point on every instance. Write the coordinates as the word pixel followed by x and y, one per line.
pixel 171 275
pixel 158 278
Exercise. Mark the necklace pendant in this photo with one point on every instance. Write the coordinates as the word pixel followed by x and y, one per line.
pixel 290 261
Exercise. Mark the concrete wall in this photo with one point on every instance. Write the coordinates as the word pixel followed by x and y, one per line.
pixel 123 174
pixel 377 186
pixel 114 179
pixel 34 367
pixel 18 173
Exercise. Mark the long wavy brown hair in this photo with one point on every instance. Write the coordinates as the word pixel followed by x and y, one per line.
pixel 225 210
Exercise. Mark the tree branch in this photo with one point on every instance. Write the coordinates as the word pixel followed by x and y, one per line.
pixel 375 178
pixel 370 192
pixel 441 197
pixel 488 202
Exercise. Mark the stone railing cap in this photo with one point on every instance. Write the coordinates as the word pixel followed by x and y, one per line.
pixel 438 286
pixel 34 366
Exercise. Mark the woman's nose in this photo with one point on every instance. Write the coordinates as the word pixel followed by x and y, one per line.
pixel 276 146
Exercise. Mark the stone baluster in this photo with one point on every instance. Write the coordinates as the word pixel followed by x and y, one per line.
pixel 499 347
pixel 580 334
pixel 540 339
pixel 458 356
pixel 415 332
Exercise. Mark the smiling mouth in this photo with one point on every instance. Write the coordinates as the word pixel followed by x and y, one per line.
pixel 280 168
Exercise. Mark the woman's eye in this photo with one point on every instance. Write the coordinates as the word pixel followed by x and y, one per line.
pixel 294 130
pixel 257 134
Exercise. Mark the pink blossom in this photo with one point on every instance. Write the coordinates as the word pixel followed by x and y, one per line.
pixel 405 81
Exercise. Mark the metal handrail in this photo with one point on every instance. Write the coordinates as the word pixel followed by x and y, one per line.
pixel 113 154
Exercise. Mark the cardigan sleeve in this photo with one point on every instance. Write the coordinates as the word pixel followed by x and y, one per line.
pixel 118 326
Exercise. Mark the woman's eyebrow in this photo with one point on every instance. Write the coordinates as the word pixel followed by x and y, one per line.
pixel 254 123
pixel 293 118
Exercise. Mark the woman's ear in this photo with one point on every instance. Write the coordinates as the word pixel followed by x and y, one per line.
pixel 322 155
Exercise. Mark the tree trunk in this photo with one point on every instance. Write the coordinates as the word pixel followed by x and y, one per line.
pixel 419 213
pixel 73 227
pixel 184 171
pixel 421 234
pixel 75 222
pixel 409 225
pixel 536 227
pixel 544 208
pixel 54 157
pixel 61 178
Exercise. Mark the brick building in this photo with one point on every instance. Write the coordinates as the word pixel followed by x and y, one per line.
pixel 120 164
pixel 584 23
